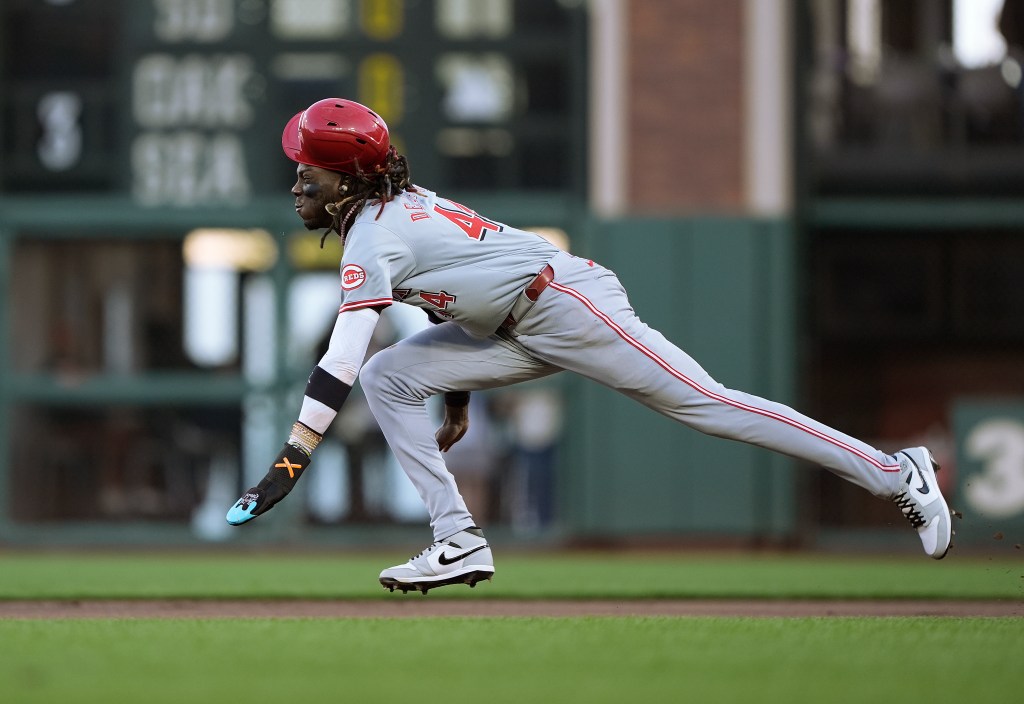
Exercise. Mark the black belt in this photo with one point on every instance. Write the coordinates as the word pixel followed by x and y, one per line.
pixel 531 293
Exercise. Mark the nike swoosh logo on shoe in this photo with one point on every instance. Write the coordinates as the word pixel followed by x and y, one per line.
pixel 444 559
pixel 924 488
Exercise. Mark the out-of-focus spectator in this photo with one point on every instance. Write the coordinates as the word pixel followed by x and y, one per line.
pixel 534 419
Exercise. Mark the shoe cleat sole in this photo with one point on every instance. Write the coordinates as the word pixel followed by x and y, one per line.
pixel 470 578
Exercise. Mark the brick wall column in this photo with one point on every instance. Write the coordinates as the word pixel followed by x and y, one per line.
pixel 685 78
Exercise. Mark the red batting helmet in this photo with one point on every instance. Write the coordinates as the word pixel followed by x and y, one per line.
pixel 338 135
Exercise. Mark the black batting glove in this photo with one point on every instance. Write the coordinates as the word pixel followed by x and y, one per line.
pixel 280 480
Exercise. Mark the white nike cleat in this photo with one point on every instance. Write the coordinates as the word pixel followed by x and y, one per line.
pixel 462 558
pixel 922 502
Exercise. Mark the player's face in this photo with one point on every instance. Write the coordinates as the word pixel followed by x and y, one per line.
pixel 314 188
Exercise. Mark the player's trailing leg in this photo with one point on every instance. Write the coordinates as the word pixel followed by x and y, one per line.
pixel 462 558
pixel 922 502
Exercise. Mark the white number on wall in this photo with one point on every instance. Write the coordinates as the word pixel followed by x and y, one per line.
pixel 997 491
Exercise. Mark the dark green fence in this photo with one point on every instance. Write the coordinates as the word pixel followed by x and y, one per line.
pixel 722 289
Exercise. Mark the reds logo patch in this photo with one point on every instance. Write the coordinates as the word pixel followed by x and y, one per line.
pixel 352 276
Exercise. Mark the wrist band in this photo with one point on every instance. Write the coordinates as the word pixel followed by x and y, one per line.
pixel 304 437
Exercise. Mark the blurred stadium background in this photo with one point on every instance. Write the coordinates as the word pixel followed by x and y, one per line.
pixel 821 200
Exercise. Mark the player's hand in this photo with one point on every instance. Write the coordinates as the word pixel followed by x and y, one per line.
pixel 456 423
pixel 280 480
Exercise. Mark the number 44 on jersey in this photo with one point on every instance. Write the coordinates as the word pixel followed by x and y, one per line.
pixel 473 225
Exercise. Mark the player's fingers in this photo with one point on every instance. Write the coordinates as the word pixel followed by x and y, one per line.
pixel 461 434
pixel 448 436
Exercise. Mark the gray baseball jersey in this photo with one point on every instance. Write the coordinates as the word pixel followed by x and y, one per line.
pixel 438 255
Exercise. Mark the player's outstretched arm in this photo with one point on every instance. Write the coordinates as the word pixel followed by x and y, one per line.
pixel 328 386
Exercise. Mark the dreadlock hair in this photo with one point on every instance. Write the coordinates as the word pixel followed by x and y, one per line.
pixel 380 185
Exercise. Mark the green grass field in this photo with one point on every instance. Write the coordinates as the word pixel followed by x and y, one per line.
pixel 521 576
pixel 606 659
pixel 514 660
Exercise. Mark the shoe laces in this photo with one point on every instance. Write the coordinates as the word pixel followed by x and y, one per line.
pixel 909 508
pixel 425 550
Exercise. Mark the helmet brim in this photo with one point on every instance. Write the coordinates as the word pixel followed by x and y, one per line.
pixel 290 139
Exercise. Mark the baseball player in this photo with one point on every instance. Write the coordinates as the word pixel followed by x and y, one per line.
pixel 511 307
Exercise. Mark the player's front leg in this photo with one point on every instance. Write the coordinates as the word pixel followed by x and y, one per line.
pixel 397 383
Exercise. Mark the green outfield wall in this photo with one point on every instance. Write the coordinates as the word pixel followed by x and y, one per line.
pixel 723 290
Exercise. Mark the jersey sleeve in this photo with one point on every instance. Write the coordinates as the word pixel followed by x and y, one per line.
pixel 374 261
